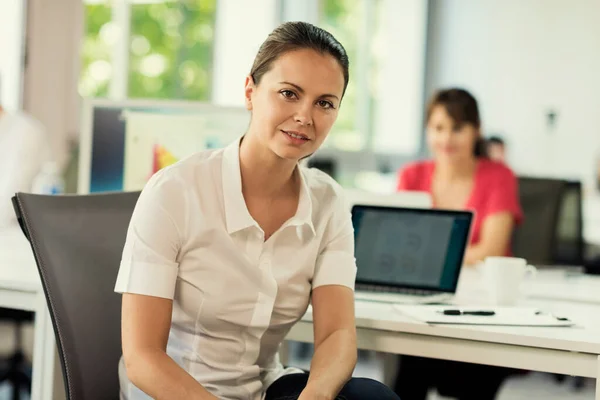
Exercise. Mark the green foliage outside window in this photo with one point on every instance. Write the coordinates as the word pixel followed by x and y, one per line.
pixel 170 50
pixel 96 68
pixel 341 18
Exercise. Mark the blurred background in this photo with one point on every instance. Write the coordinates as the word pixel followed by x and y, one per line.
pixel 532 66
pixel 111 83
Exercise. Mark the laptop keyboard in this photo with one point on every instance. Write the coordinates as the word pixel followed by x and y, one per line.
pixel 393 289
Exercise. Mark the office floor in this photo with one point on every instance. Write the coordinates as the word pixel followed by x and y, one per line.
pixel 532 386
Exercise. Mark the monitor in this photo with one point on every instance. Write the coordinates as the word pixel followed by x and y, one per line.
pixel 410 248
pixel 123 142
pixel 407 199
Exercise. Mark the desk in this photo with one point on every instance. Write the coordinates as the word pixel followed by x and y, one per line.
pixel 566 285
pixel 569 351
pixel 20 288
pixel 560 350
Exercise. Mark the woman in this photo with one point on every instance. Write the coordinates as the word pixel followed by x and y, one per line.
pixel 225 249
pixel 461 177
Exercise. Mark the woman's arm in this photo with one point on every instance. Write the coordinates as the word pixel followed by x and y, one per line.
pixel 335 342
pixel 146 322
pixel 496 233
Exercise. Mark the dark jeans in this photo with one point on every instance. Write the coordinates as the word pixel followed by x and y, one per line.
pixel 462 381
pixel 289 387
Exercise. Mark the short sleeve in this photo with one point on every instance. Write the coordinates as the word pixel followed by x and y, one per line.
pixel 149 262
pixel 504 195
pixel 336 264
pixel 414 176
pixel 404 181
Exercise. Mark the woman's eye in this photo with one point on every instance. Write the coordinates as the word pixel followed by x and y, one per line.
pixel 288 94
pixel 325 104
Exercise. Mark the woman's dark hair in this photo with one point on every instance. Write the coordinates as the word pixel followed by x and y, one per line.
pixel 462 107
pixel 496 140
pixel 292 36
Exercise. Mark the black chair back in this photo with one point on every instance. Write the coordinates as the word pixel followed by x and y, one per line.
pixel 77 243
pixel 570 244
pixel 535 238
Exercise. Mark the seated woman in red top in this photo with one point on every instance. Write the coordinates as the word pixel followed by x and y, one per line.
pixel 461 177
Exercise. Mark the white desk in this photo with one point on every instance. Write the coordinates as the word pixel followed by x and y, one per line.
pixel 20 288
pixel 566 285
pixel 561 350
pixel 569 351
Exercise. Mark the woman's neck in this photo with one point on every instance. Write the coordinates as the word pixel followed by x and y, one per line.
pixel 456 170
pixel 263 173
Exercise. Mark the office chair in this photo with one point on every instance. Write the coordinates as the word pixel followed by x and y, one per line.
pixel 535 238
pixel 77 243
pixel 325 164
pixel 592 266
pixel 15 370
pixel 570 244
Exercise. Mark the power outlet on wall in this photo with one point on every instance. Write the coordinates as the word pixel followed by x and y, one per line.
pixel 551 118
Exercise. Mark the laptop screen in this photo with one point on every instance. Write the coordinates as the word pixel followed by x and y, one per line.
pixel 410 248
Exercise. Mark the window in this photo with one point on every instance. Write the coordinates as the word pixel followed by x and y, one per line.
pixel 352 22
pixel 386 43
pixel 175 49
pixel 159 49
pixel 12 26
pixel 96 68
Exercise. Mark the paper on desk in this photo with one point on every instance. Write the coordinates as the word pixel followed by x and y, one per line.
pixel 507 316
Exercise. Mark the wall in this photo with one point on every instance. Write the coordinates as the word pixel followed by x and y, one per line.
pixel 399 104
pixel 54 31
pixel 12 19
pixel 523 59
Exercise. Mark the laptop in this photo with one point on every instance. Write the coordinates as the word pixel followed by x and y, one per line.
pixel 412 199
pixel 407 255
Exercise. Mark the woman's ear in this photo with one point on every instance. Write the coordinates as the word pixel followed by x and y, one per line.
pixel 249 91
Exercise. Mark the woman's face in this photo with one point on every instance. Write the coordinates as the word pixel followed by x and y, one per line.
pixel 448 142
pixel 296 102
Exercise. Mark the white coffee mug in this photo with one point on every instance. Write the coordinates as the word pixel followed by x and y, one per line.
pixel 504 278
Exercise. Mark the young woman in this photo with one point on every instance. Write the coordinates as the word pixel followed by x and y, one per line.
pixel 461 177
pixel 226 249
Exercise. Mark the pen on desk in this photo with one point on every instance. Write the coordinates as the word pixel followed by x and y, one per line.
pixel 481 313
pixel 552 315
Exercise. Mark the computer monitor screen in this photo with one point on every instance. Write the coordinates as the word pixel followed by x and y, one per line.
pixel 413 248
pixel 124 143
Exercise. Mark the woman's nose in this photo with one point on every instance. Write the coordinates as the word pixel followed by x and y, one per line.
pixel 304 115
pixel 444 135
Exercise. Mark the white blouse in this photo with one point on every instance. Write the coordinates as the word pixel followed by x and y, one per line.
pixel 235 296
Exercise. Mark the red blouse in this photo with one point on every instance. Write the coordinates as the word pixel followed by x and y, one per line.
pixel 495 190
